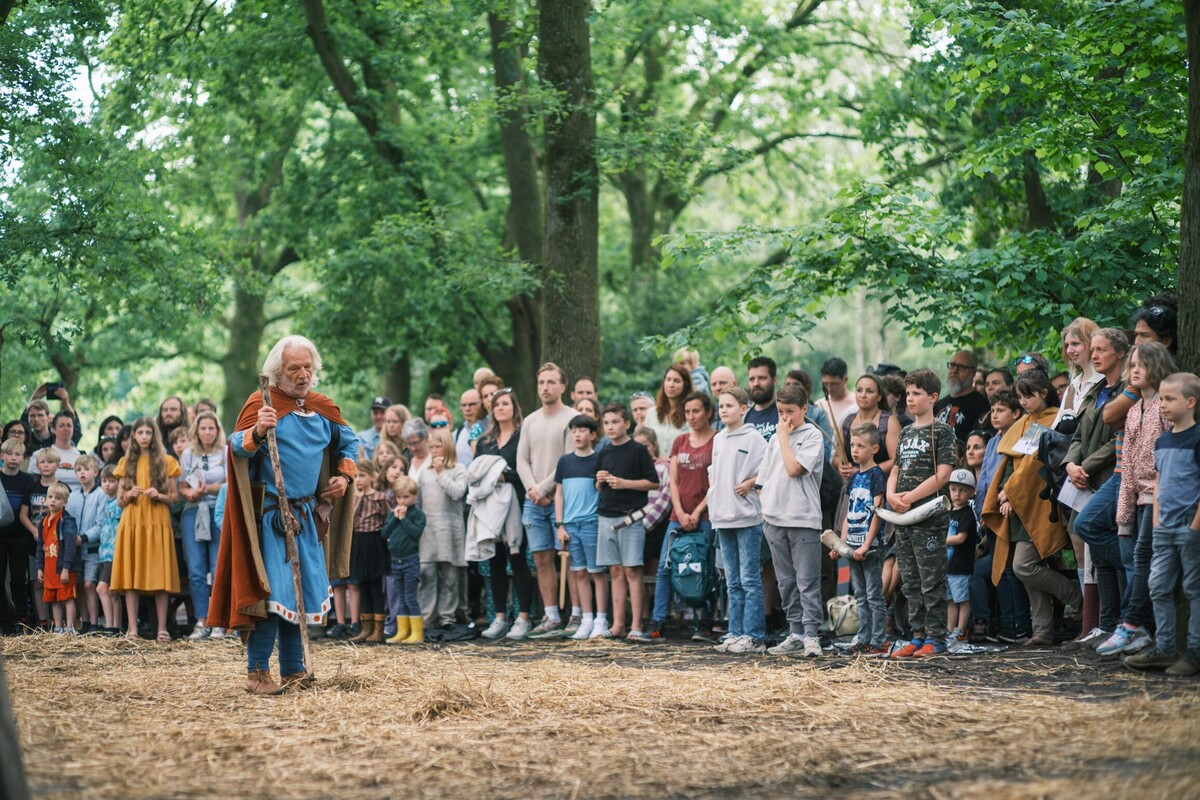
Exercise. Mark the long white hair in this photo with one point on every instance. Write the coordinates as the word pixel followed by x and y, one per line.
pixel 273 366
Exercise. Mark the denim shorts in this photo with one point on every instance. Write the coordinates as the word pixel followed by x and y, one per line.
pixel 620 547
pixel 958 588
pixel 539 526
pixel 582 545
pixel 91 565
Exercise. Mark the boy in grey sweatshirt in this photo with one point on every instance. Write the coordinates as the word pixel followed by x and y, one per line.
pixel 791 503
pixel 736 515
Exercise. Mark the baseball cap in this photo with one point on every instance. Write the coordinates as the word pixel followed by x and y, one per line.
pixel 963 477
pixel 380 402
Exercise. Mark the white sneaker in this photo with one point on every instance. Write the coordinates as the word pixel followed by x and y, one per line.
pixel 726 642
pixel 519 630
pixel 812 647
pixel 498 628
pixel 600 631
pixel 217 633
pixel 746 644
pixel 584 631
pixel 794 643
pixel 200 632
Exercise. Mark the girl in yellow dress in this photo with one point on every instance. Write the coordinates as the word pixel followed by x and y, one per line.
pixel 144 555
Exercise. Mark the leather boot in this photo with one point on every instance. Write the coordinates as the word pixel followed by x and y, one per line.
pixel 297 681
pixel 258 681
pixel 402 631
pixel 376 636
pixel 367 625
pixel 416 633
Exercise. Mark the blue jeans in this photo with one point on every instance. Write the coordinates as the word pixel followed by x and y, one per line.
pixel 740 548
pixel 662 586
pixel 402 587
pixel 1097 525
pixel 866 578
pixel 201 559
pixel 1137 608
pixel 1176 557
pixel 262 642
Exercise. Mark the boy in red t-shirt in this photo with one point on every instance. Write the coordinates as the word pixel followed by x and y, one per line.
pixel 58 546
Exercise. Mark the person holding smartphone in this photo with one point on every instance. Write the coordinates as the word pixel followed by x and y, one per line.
pixel 37 415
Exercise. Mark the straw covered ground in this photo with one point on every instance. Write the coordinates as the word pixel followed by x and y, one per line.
pixel 101 718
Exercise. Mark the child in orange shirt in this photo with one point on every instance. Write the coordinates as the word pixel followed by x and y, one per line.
pixel 57 557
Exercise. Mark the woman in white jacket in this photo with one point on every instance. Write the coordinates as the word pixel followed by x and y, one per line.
pixel 736 516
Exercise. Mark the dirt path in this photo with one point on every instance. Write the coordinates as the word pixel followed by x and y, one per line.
pixel 110 719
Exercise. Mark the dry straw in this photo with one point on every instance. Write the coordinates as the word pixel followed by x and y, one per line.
pixel 102 718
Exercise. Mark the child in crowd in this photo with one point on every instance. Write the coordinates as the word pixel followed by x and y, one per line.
pixel 144 555
pixel 625 475
pixel 1176 528
pixel 85 505
pixel 108 519
pixel 402 531
pixel 655 520
pixel 391 467
pixel 1149 365
pixel 961 539
pixel 443 487
pixel 368 555
pixel 57 558
pixel 1011 598
pixel 735 511
pixel 576 498
pixel 860 530
pixel 14 538
pixel 1020 517
pixel 925 457
pixel 791 504
pixel 33 508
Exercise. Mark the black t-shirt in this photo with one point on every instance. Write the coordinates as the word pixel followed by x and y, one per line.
pixel 35 498
pixel 632 461
pixel 14 488
pixel 765 420
pixel 489 447
pixel 961 413
pixel 962 556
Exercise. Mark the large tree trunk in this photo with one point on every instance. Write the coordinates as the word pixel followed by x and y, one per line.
pixel 240 363
pixel 570 288
pixel 1189 224
pixel 524 221
pixel 398 384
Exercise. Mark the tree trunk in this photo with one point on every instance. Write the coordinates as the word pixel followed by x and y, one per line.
pixel 1189 223
pixel 570 287
pixel 240 363
pixel 398 384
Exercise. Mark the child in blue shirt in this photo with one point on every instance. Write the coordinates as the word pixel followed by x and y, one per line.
pixel 109 517
pixel 860 531
pixel 576 499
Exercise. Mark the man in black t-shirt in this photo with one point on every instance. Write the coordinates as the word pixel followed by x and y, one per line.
pixel 962 406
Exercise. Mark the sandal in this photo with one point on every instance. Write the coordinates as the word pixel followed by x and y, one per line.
pixel 164 637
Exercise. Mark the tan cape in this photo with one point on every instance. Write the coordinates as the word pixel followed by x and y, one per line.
pixel 1023 490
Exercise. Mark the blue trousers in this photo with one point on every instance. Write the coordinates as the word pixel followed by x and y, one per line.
pixel 740 547
pixel 201 558
pixel 262 642
pixel 662 585
pixel 1097 525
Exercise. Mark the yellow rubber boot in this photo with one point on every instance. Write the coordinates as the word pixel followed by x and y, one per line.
pixel 416 633
pixel 402 631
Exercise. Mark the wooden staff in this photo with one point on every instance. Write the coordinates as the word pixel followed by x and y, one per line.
pixel 291 528
pixel 562 578
pixel 839 452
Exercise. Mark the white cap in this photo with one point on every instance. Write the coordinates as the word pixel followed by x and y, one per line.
pixel 963 476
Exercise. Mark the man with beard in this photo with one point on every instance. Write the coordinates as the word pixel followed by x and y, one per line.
pixel 253 589
pixel 962 406
pixel 763 415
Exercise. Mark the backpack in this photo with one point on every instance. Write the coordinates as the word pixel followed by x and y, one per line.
pixel 693 567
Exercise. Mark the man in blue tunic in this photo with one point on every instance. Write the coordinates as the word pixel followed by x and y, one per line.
pixel 253 588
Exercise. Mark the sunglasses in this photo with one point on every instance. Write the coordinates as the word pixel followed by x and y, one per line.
pixel 1025 359
pixel 638 395
pixel 204 462
pixel 441 423
pixel 1156 311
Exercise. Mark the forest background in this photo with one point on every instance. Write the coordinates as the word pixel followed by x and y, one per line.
pixel 426 186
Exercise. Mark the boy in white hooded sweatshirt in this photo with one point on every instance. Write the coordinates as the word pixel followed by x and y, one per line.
pixel 791 504
pixel 736 515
